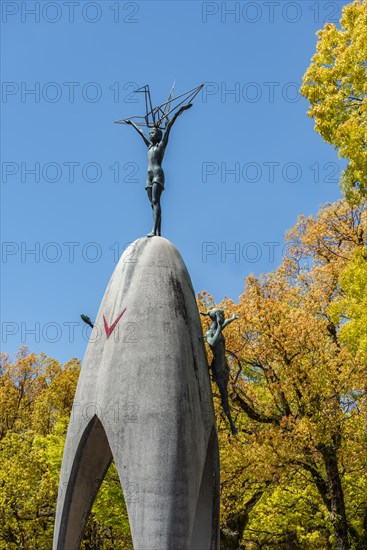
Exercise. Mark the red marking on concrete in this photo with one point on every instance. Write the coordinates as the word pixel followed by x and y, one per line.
pixel 110 329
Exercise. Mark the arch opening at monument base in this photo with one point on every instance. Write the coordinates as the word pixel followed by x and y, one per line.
pixel 92 461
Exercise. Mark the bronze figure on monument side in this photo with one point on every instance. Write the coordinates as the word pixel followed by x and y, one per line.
pixel 87 320
pixel 219 365
pixel 160 124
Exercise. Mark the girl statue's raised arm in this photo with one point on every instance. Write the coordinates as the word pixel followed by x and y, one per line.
pixel 139 130
pixel 172 121
pixel 233 318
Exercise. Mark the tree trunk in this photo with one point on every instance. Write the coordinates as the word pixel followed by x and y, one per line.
pixel 337 504
pixel 364 536
pixel 232 533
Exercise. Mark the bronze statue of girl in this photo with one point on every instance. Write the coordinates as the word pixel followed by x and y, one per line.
pixel 156 144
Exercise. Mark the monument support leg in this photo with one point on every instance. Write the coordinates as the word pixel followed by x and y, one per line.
pixel 91 462
pixel 206 528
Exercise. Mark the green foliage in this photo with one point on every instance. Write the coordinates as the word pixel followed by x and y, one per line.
pixel 336 86
pixel 351 306
pixel 36 395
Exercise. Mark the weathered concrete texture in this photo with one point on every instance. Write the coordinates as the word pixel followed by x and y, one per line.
pixel 144 398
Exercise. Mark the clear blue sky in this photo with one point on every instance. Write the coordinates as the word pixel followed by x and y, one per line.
pixel 82 73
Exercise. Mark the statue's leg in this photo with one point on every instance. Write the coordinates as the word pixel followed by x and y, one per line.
pixel 156 196
pixel 159 224
pixel 149 192
pixel 150 196
pixel 160 212
pixel 223 390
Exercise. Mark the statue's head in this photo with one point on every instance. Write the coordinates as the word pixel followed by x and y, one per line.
pixel 155 135
pixel 217 315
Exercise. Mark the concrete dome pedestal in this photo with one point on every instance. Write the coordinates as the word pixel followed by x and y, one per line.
pixel 144 399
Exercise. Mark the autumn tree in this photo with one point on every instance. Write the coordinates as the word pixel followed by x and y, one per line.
pixel 336 86
pixel 296 475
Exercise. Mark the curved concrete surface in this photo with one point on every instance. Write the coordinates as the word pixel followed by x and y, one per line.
pixel 144 399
